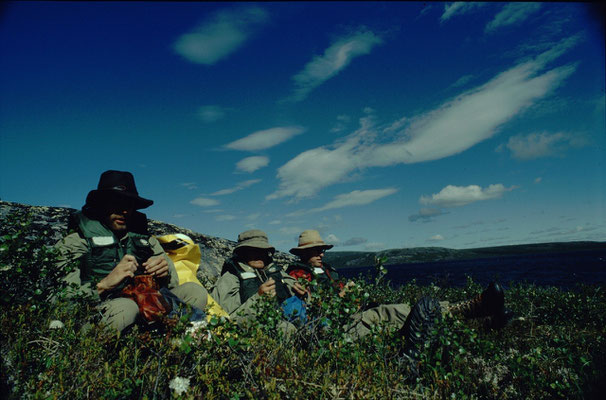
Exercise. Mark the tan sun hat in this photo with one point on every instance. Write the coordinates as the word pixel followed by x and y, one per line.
pixel 254 238
pixel 308 239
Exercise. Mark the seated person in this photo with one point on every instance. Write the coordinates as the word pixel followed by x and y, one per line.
pixel 111 245
pixel 250 274
pixel 413 322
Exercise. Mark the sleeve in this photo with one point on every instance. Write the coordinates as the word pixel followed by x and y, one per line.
pixel 172 280
pixel 227 294
pixel 71 250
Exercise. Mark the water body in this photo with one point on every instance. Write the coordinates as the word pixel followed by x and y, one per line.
pixel 563 270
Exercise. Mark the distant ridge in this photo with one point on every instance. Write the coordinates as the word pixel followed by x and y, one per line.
pixel 431 254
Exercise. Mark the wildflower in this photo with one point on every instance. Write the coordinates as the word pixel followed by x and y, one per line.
pixel 56 324
pixel 179 385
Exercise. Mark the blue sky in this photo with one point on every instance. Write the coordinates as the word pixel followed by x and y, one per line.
pixel 382 125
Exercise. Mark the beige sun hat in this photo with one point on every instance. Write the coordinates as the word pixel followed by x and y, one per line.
pixel 254 238
pixel 308 239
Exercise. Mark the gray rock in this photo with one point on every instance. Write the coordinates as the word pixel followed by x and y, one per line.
pixel 51 224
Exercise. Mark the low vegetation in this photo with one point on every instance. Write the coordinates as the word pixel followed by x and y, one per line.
pixel 555 347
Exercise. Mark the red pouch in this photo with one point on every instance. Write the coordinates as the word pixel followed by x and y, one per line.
pixel 144 291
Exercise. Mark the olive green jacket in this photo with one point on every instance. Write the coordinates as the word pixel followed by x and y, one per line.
pixel 227 292
pixel 73 248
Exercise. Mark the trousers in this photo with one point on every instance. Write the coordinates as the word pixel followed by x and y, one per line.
pixel 122 312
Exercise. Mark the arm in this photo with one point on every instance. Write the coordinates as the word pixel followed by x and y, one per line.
pixel 161 265
pixel 71 249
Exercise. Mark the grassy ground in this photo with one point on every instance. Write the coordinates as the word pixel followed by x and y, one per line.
pixel 554 348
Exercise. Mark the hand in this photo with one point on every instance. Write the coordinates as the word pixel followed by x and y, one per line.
pixel 347 286
pixel 268 288
pixel 125 268
pixel 299 290
pixel 157 266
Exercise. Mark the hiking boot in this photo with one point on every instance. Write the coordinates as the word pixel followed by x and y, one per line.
pixel 418 326
pixel 497 321
pixel 490 303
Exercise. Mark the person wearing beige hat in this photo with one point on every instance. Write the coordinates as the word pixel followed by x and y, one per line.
pixel 250 274
pixel 414 323
pixel 311 266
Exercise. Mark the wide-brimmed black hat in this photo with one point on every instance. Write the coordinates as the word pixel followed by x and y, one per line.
pixel 116 184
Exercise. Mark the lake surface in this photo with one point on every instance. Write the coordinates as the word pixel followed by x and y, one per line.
pixel 564 270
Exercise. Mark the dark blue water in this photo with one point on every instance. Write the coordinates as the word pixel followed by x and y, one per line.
pixel 563 270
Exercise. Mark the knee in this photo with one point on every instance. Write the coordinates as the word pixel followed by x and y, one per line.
pixel 193 294
pixel 120 313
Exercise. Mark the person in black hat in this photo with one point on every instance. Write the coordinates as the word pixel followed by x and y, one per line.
pixel 111 245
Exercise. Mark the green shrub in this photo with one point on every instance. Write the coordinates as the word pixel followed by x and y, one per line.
pixel 555 347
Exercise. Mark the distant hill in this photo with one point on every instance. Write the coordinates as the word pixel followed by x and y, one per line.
pixel 431 254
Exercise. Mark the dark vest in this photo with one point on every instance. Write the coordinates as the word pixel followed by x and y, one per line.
pixel 250 282
pixel 104 250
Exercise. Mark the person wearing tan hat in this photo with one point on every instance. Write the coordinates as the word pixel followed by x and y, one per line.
pixel 413 323
pixel 250 274
pixel 111 247
pixel 310 251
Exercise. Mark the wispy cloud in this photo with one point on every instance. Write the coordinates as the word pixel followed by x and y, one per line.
pixel 220 35
pixel 251 164
pixel 511 14
pixel 354 198
pixel 265 139
pixel 190 185
pixel 459 8
pixel 468 119
pixel 355 241
pixel 426 214
pixel 456 196
pixel 543 144
pixel 211 113
pixel 436 238
pixel 335 58
pixel 204 202
pixel 237 188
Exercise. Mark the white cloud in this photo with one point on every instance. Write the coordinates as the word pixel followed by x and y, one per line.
pixel 204 202
pixel 190 185
pixel 456 196
pixel 253 217
pixel 332 239
pixel 543 144
pixel 220 35
pixel 436 238
pixel 335 58
pixel 458 124
pixel 512 13
pixel 538 180
pixel 459 8
pixel 251 164
pixel 354 198
pixel 211 113
pixel 265 139
pixel 238 187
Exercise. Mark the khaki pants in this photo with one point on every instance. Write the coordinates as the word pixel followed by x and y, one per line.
pixel 122 312
pixel 394 315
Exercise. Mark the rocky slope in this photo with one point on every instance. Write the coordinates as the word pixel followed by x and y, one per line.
pixel 54 220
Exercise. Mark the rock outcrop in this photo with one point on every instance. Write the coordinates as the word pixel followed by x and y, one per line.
pixel 53 220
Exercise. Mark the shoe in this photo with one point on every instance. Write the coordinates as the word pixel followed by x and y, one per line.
pixel 418 326
pixel 490 303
